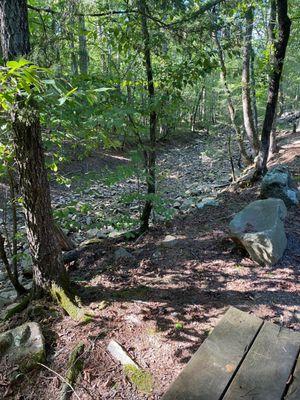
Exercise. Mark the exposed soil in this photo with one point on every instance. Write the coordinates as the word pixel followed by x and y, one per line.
pixel 161 305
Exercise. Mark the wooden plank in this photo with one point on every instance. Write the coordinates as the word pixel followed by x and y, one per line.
pixel 294 389
pixel 267 367
pixel 209 371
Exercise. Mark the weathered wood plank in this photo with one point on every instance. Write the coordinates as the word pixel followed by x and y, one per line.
pixel 266 369
pixel 209 371
pixel 294 389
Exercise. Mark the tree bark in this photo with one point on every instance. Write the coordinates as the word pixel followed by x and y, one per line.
pixel 151 153
pixel 284 25
pixel 44 248
pixel 249 123
pixel 83 52
pixel 231 109
pixel 14 29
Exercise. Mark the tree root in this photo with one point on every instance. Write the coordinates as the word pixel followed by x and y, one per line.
pixel 75 367
pixel 75 311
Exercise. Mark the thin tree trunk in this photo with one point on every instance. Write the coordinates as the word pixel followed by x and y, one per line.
pixel 231 109
pixel 284 25
pixel 83 52
pixel 246 85
pixel 74 60
pixel 253 93
pixel 9 269
pixel 196 109
pixel 151 153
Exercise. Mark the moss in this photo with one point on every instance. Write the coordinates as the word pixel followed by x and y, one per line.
pixel 64 300
pixel 141 379
pixel 31 361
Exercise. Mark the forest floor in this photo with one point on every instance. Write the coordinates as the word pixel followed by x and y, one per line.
pixel 162 302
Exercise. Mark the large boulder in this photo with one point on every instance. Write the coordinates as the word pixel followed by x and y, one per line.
pixel 23 346
pixel 279 184
pixel 259 228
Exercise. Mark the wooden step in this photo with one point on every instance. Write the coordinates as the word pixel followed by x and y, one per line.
pixel 243 358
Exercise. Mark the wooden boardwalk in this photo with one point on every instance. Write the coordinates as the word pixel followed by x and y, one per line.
pixel 243 358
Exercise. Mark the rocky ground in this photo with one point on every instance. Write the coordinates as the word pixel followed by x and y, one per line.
pixel 160 295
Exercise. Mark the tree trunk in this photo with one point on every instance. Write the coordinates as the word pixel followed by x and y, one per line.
pixel 284 25
pixel 231 109
pixel 49 274
pixel 151 153
pixel 196 109
pixel 43 244
pixel 253 93
pixel 83 52
pixel 14 22
pixel 249 123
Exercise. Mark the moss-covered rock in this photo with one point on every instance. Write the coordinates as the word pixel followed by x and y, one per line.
pixel 141 379
pixel 14 308
pixel 23 346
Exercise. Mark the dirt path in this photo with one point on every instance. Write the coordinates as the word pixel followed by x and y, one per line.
pixel 186 174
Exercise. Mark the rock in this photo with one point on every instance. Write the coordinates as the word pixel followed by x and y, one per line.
pixel 259 228
pixel 119 354
pixel 14 308
pixel 177 204
pixel 23 346
pixel 9 294
pixel 208 201
pixel 169 241
pixel 89 242
pixel 187 203
pixel 279 184
pixel 91 233
pixel 123 254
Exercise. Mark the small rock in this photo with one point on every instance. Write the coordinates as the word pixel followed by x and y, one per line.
pixel 91 233
pixel 89 242
pixel 187 203
pixel 169 241
pixel 123 254
pixel 208 201
pixel 177 204
pixel 120 354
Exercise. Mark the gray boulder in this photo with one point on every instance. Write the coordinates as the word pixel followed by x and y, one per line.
pixel 279 184
pixel 23 346
pixel 259 228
